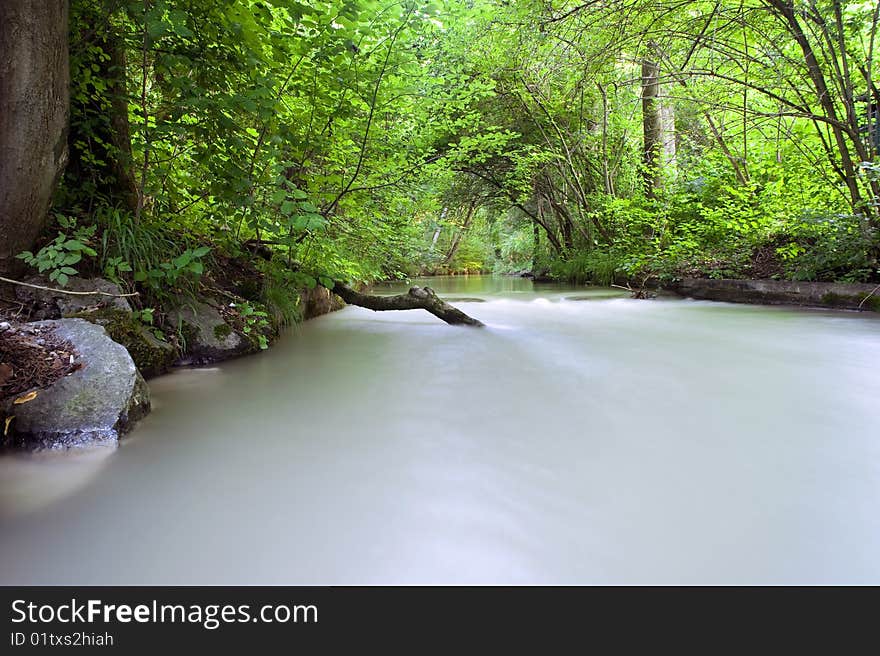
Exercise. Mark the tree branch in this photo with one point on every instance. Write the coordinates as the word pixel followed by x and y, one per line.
pixel 418 298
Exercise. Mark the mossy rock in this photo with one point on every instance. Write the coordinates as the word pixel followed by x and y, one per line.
pixel 222 331
pixel 206 334
pixel 870 303
pixel 94 405
pixel 151 355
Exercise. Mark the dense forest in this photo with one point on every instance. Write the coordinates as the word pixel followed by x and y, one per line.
pixel 358 140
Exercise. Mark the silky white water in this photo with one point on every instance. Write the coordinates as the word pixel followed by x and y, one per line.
pixel 582 437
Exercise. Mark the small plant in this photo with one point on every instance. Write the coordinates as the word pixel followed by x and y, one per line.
pixel 256 322
pixel 147 318
pixel 68 248
pixel 186 265
pixel 114 267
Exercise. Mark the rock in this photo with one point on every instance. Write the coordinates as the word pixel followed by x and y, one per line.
pixel 94 405
pixel 206 334
pixel 317 301
pixel 151 355
pixel 54 305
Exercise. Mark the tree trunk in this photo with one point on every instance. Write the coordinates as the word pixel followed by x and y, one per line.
pixel 456 242
pixel 418 298
pixel 652 127
pixel 670 150
pixel 100 133
pixel 846 136
pixel 34 95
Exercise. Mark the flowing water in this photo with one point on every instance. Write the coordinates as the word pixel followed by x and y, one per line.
pixel 582 437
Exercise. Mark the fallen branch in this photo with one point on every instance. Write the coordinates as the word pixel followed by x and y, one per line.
pixel 870 294
pixel 418 298
pixel 641 293
pixel 66 291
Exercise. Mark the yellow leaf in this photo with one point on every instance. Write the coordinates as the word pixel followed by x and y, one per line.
pixel 30 396
pixel 6 428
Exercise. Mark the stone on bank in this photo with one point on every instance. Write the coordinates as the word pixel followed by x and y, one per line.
pixel 94 405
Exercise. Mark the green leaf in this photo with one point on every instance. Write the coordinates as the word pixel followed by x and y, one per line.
pixel 183 259
pixel 201 251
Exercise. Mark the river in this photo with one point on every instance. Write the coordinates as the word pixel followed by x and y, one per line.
pixel 582 437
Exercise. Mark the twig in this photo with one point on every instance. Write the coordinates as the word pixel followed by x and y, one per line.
pixel 870 294
pixel 65 291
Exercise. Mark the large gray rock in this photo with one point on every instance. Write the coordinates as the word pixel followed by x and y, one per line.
pixel 48 304
pixel 151 355
pixel 206 334
pixel 94 405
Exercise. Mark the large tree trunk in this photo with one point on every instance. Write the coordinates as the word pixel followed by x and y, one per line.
pixel 34 94
pixel 418 298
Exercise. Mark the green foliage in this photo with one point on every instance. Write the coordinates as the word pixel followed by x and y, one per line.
pixel 255 323
pixel 839 247
pixel 595 267
pixel 280 293
pixel 67 249
pixel 128 245
pixel 147 317
pixel 516 250
pixel 185 268
pixel 115 267
pixel 365 140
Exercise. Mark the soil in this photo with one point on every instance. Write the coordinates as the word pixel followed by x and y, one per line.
pixel 765 263
pixel 32 357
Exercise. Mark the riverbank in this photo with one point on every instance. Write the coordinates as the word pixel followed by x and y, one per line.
pixel 832 295
pixel 73 361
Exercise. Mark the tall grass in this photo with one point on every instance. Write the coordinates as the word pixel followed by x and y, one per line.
pixel 143 245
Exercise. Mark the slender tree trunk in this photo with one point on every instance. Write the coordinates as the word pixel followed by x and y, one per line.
pixel 670 150
pixel 34 98
pixel 652 127
pixel 536 244
pixel 845 136
pixel 456 242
